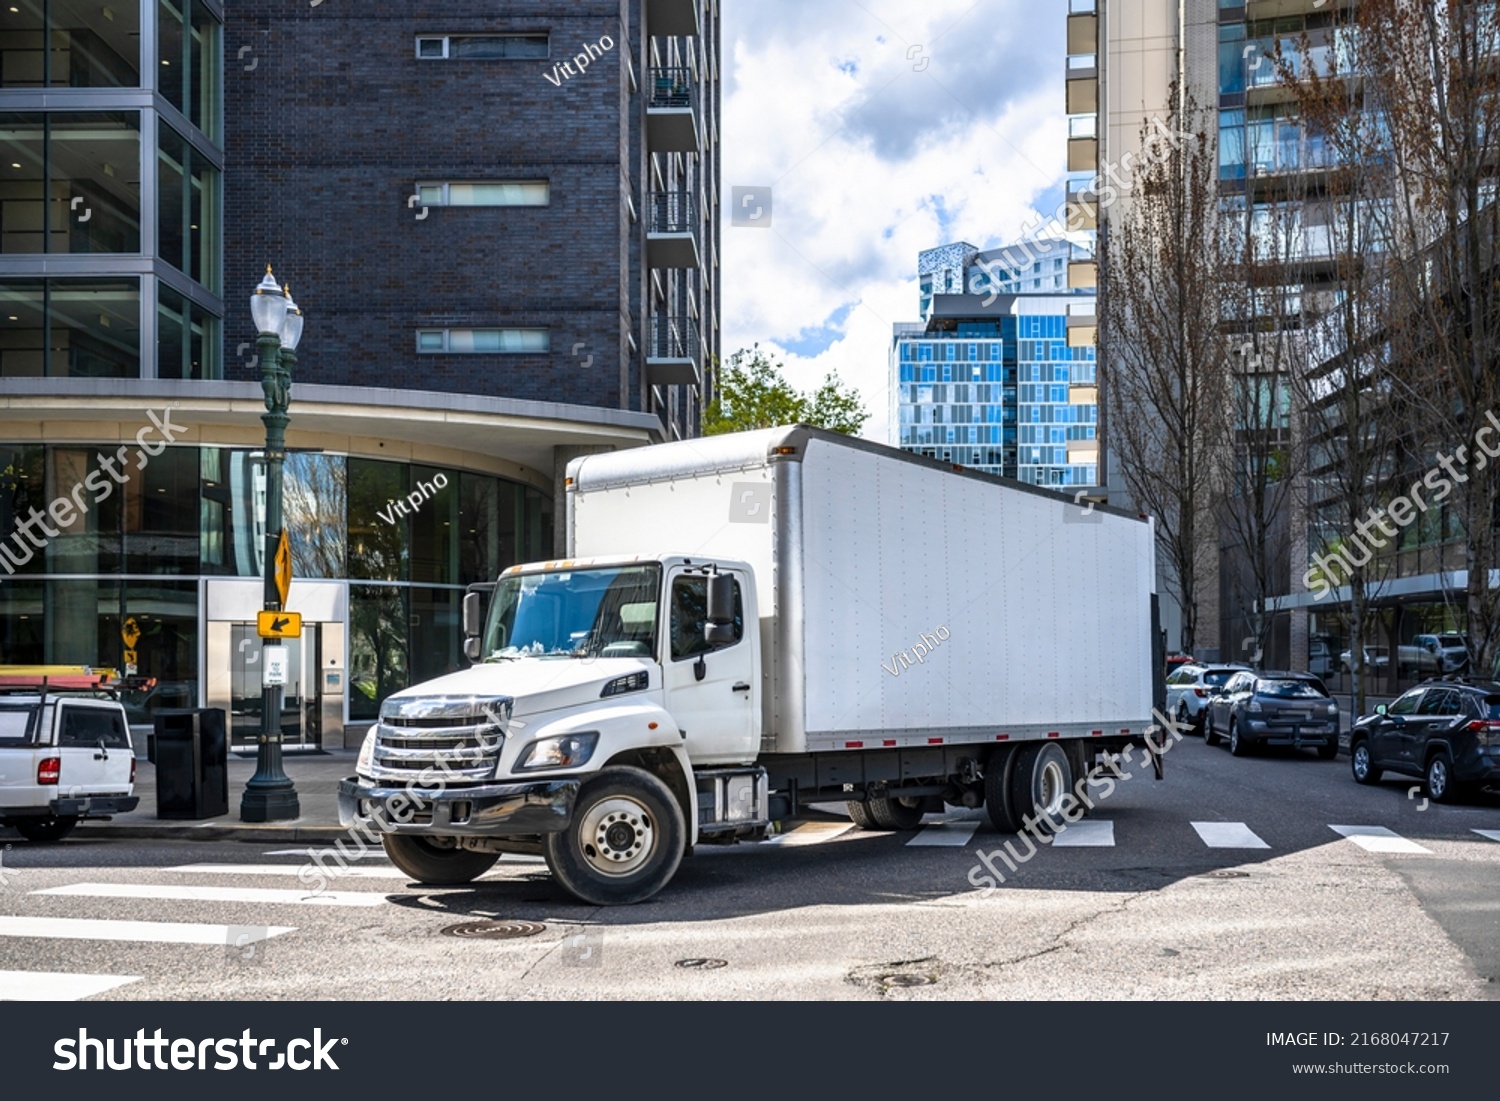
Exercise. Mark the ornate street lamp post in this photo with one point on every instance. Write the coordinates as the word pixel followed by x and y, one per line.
pixel 270 795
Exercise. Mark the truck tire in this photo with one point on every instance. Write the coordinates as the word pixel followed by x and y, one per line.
pixel 625 840
pixel 893 813
pixel 51 828
pixel 426 863
pixel 859 814
pixel 997 774
pixel 1040 778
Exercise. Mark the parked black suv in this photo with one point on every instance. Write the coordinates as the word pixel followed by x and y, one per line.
pixel 1446 731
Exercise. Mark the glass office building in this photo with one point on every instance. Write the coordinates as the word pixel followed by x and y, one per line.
pixel 998 386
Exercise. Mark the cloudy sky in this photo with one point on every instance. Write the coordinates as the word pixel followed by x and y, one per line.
pixel 883 127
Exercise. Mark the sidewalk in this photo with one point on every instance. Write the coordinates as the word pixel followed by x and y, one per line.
pixel 316 777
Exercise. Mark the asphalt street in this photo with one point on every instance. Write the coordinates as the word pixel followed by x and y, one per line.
pixel 1273 876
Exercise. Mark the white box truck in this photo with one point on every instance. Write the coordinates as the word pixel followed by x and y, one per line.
pixel 747 624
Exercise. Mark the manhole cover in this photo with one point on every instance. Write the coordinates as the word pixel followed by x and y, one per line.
pixel 1225 873
pixel 699 963
pixel 906 980
pixel 495 930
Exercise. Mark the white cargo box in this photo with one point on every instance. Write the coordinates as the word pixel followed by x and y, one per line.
pixel 903 602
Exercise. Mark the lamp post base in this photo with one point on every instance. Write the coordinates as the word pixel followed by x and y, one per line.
pixel 271 803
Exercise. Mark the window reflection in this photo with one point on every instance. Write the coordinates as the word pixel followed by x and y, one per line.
pixel 90 46
pixel 314 501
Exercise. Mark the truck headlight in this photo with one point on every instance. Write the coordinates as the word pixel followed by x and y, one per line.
pixel 564 751
pixel 366 761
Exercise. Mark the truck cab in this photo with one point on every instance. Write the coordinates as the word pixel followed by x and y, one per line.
pixel 599 685
pixel 65 755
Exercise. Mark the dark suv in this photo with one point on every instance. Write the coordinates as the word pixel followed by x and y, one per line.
pixel 1445 731
pixel 1275 709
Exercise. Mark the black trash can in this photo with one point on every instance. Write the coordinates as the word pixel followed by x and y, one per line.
pixel 192 763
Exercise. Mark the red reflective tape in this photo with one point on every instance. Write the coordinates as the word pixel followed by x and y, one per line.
pixel 854 745
pixel 889 741
pixel 934 741
pixel 1098 733
pixel 1053 734
pixel 1124 730
pixel 1002 737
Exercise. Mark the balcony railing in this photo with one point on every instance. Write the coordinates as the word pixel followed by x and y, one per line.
pixel 674 352
pixel 672 110
pixel 672 230
pixel 673 87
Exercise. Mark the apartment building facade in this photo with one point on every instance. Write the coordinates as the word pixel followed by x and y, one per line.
pixel 500 222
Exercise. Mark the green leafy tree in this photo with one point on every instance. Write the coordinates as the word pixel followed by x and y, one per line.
pixel 750 392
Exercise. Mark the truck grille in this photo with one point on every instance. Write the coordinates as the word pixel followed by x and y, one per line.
pixel 457 738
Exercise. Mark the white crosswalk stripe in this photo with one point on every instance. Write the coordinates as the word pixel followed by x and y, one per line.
pixel 1378 839
pixel 1090 833
pixel 174 893
pixel 56 986
pixel 955 834
pixel 1229 835
pixel 1493 835
pixel 810 833
pixel 141 932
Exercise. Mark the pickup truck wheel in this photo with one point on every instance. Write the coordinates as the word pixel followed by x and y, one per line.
pixel 51 828
pixel 860 815
pixel 625 840
pixel 893 813
pixel 997 776
pixel 426 863
pixel 1041 778
pixel 1362 764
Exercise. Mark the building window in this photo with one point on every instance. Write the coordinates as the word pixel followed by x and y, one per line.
pixel 187 209
pixel 70 182
pixel 483 341
pixel 491 193
pixel 189 61
pixel 187 344
pixel 70 328
pixel 72 46
pixel 480 47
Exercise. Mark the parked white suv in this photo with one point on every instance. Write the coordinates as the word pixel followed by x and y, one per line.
pixel 1190 687
pixel 63 758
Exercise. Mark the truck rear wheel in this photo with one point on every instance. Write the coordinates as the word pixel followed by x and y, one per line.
pixel 997 774
pixel 51 828
pixel 426 863
pixel 625 840
pixel 1039 780
pixel 891 812
pixel 859 814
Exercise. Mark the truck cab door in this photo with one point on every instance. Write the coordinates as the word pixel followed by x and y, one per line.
pixel 719 713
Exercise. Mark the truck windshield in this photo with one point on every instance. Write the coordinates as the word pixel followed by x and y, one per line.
pixel 575 613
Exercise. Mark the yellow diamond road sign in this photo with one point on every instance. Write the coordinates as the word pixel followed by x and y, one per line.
pixel 130 632
pixel 279 624
pixel 283 568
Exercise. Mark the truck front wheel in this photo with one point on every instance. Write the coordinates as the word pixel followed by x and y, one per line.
pixel 624 842
pixel 426 863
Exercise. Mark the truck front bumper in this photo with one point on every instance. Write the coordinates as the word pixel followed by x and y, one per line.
pixel 489 810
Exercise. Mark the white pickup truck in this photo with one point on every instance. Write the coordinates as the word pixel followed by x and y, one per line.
pixel 747 624
pixel 65 755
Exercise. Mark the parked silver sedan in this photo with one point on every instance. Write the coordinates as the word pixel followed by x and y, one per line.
pixel 1273 708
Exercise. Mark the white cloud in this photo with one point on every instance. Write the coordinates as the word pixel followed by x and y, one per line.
pixel 872 156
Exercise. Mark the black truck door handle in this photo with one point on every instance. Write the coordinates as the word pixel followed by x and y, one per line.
pixel 741 687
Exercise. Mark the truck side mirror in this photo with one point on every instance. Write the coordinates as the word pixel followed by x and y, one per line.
pixel 719 630
pixel 471 626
